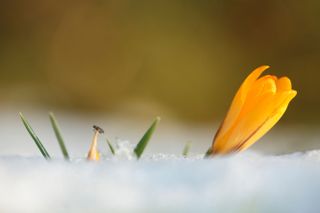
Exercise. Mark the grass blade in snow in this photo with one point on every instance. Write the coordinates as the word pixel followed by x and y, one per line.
pixel 145 139
pixel 57 132
pixel 186 149
pixel 35 137
pixel 110 147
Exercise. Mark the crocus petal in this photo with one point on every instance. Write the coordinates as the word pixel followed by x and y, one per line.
pixel 240 97
pixel 258 93
pixel 256 108
pixel 284 84
pixel 268 124
pixel 247 124
pixel 257 105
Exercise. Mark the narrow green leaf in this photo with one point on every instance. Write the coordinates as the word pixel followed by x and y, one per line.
pixel 110 147
pixel 186 149
pixel 145 138
pixel 57 132
pixel 35 137
pixel 208 154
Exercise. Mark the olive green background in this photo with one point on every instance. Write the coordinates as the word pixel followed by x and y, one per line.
pixel 180 58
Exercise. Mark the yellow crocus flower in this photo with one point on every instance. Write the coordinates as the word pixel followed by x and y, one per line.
pixel 256 108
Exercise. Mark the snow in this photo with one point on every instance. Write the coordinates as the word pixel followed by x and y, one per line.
pixel 248 182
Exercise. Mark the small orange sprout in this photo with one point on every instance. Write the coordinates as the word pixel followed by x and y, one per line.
pixel 93 154
pixel 256 108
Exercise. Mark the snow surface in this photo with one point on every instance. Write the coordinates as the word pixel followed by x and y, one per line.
pixel 247 182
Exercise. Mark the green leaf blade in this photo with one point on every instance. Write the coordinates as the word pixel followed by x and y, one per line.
pixel 112 150
pixel 57 132
pixel 35 138
pixel 145 139
pixel 186 149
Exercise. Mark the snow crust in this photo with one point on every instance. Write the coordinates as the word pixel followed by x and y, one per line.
pixel 247 182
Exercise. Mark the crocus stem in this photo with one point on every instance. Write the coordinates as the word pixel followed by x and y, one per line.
pixel 208 153
pixel 93 152
pixel 94 141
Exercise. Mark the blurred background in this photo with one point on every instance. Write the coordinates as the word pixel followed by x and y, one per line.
pixel 121 63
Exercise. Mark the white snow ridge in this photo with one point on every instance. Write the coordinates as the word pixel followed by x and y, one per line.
pixel 246 182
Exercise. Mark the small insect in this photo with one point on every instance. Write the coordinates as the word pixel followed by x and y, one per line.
pixel 99 129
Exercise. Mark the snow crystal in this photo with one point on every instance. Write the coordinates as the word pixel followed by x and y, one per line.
pixel 124 150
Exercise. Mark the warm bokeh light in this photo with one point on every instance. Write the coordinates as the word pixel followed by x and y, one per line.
pixel 186 58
